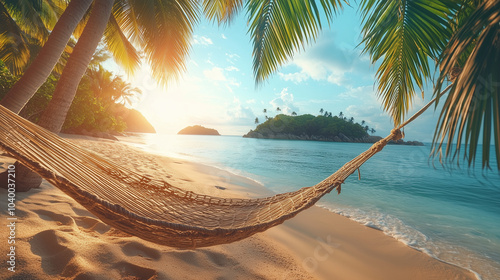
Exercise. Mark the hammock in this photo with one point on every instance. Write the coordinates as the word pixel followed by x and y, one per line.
pixel 153 209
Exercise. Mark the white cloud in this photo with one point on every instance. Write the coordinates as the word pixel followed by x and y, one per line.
pixel 232 68
pixel 328 60
pixel 223 36
pixel 294 77
pixel 285 102
pixel 239 114
pixel 232 57
pixel 202 40
pixel 215 74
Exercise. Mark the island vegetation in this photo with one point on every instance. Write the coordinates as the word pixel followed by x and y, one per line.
pixel 198 130
pixel 99 107
pixel 324 127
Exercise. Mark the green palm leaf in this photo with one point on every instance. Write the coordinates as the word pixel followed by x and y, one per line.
pixel 162 29
pixel 28 15
pixel 279 28
pixel 14 50
pixel 222 11
pixel 24 28
pixel 405 35
pixel 472 107
pixel 122 50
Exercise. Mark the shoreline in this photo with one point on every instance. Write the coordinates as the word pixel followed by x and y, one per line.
pixel 316 244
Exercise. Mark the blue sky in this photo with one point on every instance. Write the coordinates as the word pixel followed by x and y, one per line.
pixel 218 88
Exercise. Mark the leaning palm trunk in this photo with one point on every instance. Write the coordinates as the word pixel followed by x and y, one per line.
pixel 44 63
pixel 53 117
pixel 55 114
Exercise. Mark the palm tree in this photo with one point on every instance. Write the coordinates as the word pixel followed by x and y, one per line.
pixel 463 38
pixel 329 114
pixel 321 111
pixel 326 114
pixel 341 115
pixel 366 128
pixel 54 115
pixel 363 122
pixel 265 111
pixel 124 93
pixel 294 113
pixel 351 120
pixel 278 109
pixel 372 130
pixel 41 67
pixel 256 120
pixel 111 89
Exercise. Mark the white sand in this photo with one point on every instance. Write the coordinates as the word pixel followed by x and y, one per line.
pixel 56 238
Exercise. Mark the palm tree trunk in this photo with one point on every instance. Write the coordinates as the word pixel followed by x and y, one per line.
pixel 55 114
pixel 42 65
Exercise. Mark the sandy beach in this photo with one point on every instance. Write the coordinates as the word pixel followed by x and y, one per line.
pixel 56 238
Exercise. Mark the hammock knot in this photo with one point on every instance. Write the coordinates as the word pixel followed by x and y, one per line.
pixel 396 134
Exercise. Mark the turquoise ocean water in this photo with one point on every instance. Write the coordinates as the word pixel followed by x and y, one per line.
pixel 452 215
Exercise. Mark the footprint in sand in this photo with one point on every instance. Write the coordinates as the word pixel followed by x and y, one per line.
pixel 55 257
pixel 137 249
pixel 132 271
pixel 51 216
pixel 92 224
pixel 189 257
pixel 220 260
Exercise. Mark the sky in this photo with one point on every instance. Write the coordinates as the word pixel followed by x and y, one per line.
pixel 218 88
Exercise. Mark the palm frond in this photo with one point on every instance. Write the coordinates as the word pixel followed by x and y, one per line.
pixel 405 35
pixel 472 108
pixel 14 50
pixel 221 11
pixel 127 20
pixel 122 50
pixel 279 28
pixel 31 17
pixel 165 30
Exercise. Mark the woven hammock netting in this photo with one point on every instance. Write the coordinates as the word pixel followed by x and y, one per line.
pixel 153 209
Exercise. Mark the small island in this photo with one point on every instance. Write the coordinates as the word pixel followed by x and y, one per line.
pixel 317 128
pixel 198 130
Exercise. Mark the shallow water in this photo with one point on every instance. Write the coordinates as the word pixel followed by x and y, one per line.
pixel 453 215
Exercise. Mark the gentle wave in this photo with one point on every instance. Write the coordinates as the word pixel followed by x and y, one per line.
pixel 397 229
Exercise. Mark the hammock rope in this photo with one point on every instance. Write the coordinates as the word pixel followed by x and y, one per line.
pixel 153 209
